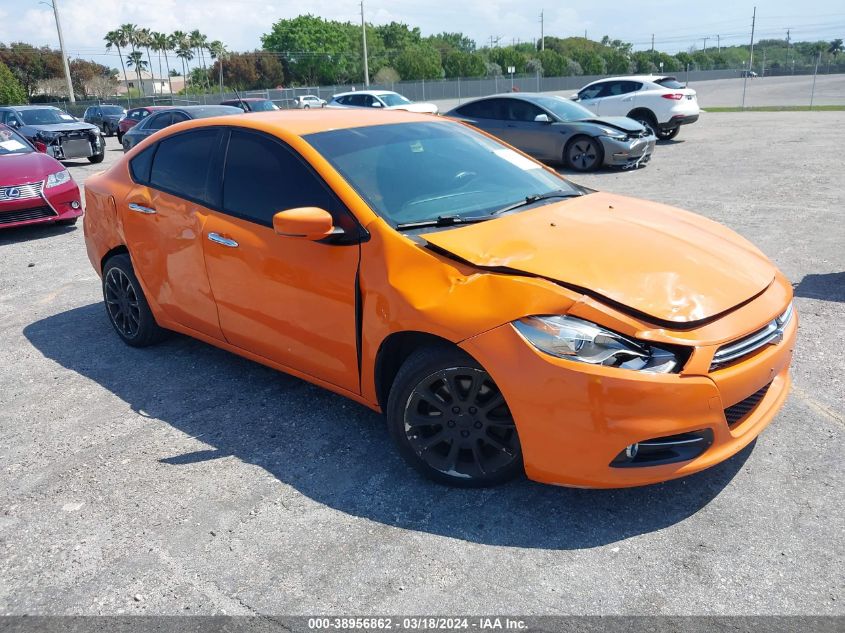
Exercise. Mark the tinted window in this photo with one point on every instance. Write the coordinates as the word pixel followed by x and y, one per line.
pixel 519 110
pixel 141 164
pixel 591 92
pixel 182 162
pixel 484 109
pixel 178 117
pixel 12 143
pixel 159 121
pixel 262 177
pixel 670 82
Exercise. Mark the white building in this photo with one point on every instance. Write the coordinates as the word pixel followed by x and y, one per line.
pixel 151 84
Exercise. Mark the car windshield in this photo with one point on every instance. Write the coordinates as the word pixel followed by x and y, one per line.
pixel 393 99
pixel 45 116
pixel 12 143
pixel 415 172
pixel 564 109
pixel 112 110
pixel 262 106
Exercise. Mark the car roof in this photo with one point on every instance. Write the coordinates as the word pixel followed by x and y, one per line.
pixel 160 107
pixel 632 78
pixel 21 108
pixel 302 123
pixel 376 93
pixel 208 110
pixel 236 100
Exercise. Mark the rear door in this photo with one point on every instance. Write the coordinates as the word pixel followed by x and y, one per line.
pixel 618 97
pixel 486 114
pixel 163 218
pixel 289 300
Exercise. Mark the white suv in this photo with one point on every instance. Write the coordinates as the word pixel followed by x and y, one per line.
pixel 658 102
pixel 380 99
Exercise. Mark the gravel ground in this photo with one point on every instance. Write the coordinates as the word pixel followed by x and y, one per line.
pixel 181 479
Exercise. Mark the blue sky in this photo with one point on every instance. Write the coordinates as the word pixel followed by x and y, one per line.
pixel 239 23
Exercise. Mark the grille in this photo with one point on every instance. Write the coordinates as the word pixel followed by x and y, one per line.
pixel 738 412
pixel 22 215
pixel 21 192
pixel 772 332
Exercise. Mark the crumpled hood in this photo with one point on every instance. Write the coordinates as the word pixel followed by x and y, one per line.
pixel 671 265
pixel 621 123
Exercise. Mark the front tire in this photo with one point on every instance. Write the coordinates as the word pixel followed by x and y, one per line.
pixel 583 153
pixel 450 421
pixel 668 135
pixel 126 305
pixel 97 158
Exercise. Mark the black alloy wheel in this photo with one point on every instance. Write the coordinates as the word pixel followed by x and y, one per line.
pixel 126 305
pixel 583 154
pixel 451 421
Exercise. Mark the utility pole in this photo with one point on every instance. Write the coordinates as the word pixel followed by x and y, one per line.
pixel 788 47
pixel 705 43
pixel 718 43
pixel 542 32
pixel 652 43
pixel 62 47
pixel 364 39
pixel 751 58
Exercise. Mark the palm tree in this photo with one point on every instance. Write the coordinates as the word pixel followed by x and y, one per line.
pixel 218 51
pixel 834 49
pixel 199 42
pixel 177 43
pixel 161 44
pixel 130 34
pixel 117 39
pixel 144 38
pixel 136 59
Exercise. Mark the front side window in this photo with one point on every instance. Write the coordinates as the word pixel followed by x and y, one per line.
pixel 181 165
pixel 160 121
pixel 394 99
pixel 591 92
pixel 262 177
pixel 416 172
pixel 519 110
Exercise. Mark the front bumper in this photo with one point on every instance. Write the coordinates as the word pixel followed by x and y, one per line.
pixel 67 148
pixel 574 419
pixel 627 154
pixel 57 203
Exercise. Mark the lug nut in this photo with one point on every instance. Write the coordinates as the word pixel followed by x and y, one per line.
pixel 450 424
pixel 473 410
pixel 456 409
pixel 464 433
pixel 478 424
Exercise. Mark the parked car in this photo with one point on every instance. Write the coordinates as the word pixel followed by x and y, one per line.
pixel 554 129
pixel 305 102
pixel 135 116
pixel 105 116
pixel 55 132
pixel 251 104
pixel 502 317
pixel 659 102
pixel 380 99
pixel 34 187
pixel 160 120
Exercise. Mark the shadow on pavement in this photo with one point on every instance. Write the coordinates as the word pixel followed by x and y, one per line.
pixel 339 453
pixel 827 287
pixel 34 232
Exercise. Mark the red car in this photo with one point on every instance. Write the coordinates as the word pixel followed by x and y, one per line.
pixel 34 187
pixel 134 117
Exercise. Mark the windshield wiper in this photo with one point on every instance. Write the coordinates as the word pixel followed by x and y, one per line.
pixel 559 193
pixel 441 220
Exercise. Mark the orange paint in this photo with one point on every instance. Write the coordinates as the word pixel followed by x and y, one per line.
pixel 290 299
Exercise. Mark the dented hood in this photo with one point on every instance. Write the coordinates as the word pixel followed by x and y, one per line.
pixel 671 265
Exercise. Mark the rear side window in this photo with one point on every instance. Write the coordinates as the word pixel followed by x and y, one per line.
pixel 262 177
pixel 485 109
pixel 182 162
pixel 670 82
pixel 160 121
pixel 139 167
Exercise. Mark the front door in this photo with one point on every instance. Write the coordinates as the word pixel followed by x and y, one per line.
pixel 287 299
pixel 533 137
pixel 163 217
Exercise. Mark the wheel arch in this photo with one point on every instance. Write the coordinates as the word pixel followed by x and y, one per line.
pixel 117 250
pixel 645 112
pixel 393 352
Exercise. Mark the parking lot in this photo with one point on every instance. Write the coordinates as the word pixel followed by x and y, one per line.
pixel 180 479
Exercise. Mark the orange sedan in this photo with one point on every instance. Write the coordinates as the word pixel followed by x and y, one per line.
pixel 502 318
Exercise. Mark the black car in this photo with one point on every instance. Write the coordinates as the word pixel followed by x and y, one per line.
pixel 105 116
pixel 55 132
pixel 165 118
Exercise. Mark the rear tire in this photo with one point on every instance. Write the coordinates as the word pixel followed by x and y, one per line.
pixel 583 153
pixel 668 135
pixel 126 306
pixel 646 119
pixel 450 421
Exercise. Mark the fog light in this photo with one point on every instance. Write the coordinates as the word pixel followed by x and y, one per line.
pixel 74 205
pixel 632 450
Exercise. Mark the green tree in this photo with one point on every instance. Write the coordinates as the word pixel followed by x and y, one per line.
pixel 459 63
pixel 419 61
pixel 554 64
pixel 11 90
pixel 117 39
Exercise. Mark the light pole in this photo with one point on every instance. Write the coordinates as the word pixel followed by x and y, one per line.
pixel 54 4
pixel 364 38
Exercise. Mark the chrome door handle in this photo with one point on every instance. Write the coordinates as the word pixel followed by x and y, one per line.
pixel 224 241
pixel 141 208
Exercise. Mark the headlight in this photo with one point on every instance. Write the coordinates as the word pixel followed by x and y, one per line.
pixel 584 342
pixel 614 134
pixel 59 178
